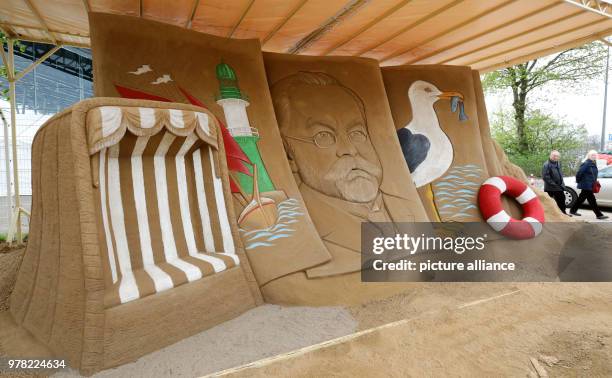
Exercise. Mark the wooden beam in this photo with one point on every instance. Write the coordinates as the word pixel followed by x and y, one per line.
pixel 55 32
pixel 483 33
pixel 37 62
pixel 283 22
pixel 448 31
pixel 242 16
pixel 345 12
pixel 41 21
pixel 513 36
pixel 548 51
pixel 7 30
pixel 48 42
pixel 366 27
pixel 194 9
pixel 5 61
pixel 530 43
pixel 22 37
pixel 418 22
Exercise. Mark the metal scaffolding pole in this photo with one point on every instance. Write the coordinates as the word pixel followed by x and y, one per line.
pixel 13 77
pixel 602 142
pixel 16 221
pixel 7 167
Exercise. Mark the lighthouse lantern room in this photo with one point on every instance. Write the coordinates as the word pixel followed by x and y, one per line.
pixel 233 102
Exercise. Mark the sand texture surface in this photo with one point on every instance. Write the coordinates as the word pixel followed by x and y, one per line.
pixel 566 327
pixel 10 259
pixel 430 329
pixel 262 332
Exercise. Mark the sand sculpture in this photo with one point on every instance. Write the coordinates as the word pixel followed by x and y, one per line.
pixel 132 243
pixel 453 194
pixel 291 263
pixel 340 141
pixel 297 249
pixel 287 155
pixel 492 210
pixel 442 124
pixel 228 78
pixel 436 116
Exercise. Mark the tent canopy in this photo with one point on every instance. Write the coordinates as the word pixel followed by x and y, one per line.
pixel 485 35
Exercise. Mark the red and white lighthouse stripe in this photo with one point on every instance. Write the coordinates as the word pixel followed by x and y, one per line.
pixel 489 202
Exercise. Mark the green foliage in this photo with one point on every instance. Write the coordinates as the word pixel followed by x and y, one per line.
pixel 572 68
pixel 3 237
pixel 528 135
pixel 544 133
pixel 3 70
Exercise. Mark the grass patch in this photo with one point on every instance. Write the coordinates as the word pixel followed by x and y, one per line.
pixel 3 237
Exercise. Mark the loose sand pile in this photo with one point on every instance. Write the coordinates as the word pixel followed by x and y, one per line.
pixel 262 332
pixel 10 259
pixel 568 325
pixel 437 334
pixel 495 334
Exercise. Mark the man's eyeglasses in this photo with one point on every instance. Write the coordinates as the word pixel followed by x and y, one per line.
pixel 326 139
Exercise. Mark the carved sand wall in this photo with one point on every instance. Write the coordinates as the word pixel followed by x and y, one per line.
pixel 94 287
pixel 443 129
pixel 144 59
pixel 340 141
pixel 312 144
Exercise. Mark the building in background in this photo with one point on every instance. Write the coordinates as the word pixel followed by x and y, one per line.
pixel 63 79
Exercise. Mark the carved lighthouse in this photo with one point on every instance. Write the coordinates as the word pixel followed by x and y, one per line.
pixel 234 104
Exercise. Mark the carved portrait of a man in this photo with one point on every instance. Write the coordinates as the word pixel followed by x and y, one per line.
pixel 325 133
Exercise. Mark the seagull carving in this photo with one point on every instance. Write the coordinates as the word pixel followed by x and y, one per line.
pixel 141 70
pixel 162 79
pixel 427 149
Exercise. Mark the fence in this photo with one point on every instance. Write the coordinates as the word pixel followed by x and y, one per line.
pixel 24 160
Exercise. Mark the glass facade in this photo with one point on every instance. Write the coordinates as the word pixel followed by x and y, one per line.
pixel 62 80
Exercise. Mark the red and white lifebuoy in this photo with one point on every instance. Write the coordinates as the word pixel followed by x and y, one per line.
pixel 489 201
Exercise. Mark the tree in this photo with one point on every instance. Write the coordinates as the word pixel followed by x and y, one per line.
pixel 570 68
pixel 543 133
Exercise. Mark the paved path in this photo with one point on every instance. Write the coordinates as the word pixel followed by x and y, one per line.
pixel 588 215
pixel 585 211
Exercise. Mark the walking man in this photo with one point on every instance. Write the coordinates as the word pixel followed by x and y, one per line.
pixel 553 179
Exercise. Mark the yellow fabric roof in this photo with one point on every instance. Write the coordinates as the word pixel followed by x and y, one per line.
pixel 484 34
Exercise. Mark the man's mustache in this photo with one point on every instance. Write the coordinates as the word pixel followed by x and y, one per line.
pixel 346 164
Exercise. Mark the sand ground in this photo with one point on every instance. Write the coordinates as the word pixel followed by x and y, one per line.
pixel 431 329
pixel 10 259
pixel 567 325
pixel 444 329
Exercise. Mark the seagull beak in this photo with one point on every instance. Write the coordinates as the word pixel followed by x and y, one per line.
pixel 450 94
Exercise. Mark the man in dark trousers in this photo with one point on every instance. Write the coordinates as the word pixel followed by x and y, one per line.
pixel 553 179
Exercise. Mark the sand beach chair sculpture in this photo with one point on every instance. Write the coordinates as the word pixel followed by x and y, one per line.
pixel 132 245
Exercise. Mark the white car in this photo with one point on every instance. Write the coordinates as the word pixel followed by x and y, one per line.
pixel 604 197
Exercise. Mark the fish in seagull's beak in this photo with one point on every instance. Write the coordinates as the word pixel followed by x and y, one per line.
pixel 456 102
pixel 450 94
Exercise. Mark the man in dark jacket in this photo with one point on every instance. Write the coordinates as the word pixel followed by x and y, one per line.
pixel 553 179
